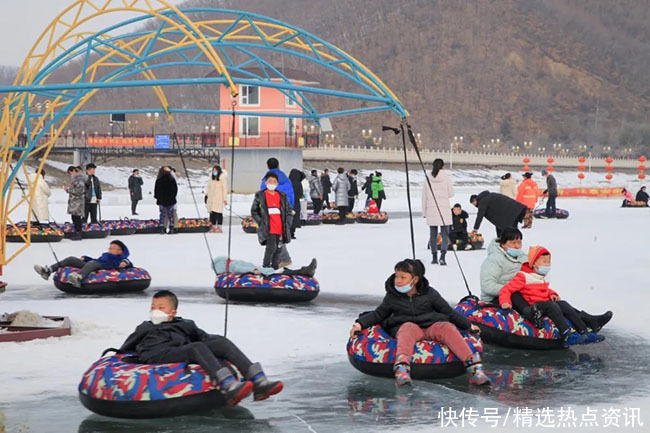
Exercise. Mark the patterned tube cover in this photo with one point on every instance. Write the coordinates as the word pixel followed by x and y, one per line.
pixel 104 275
pixel 274 281
pixel 559 213
pixel 381 216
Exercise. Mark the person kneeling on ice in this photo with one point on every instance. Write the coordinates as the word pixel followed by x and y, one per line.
pixel 115 258
pixel 531 283
pixel 244 267
pixel 412 310
pixel 167 338
pixel 458 231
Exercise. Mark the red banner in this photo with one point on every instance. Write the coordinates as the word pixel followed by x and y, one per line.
pixel 120 141
pixel 590 192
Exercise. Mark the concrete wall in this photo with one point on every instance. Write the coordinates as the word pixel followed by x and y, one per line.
pixel 250 165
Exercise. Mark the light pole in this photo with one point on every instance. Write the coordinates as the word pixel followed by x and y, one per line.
pixel 418 139
pixel 528 145
pixel 557 147
pixel 515 149
pixel 495 142
pixel 329 139
pixel 153 118
pixel 366 134
pixel 376 141
pixel 458 140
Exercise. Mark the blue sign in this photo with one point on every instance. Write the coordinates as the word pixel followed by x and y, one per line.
pixel 162 141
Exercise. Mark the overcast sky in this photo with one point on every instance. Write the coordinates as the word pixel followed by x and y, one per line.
pixel 23 21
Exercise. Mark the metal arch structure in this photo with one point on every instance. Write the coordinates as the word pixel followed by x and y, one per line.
pixel 233 44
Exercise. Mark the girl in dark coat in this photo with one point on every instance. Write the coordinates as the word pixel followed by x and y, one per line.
pixel 165 192
pixel 412 311
pixel 296 176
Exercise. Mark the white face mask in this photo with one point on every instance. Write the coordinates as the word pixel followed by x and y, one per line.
pixel 271 187
pixel 158 316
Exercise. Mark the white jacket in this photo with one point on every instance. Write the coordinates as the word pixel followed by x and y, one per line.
pixel 444 190
pixel 508 188
pixel 217 192
pixel 40 206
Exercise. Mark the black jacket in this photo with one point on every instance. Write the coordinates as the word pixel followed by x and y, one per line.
pixel 150 341
pixel 260 213
pixel 424 308
pixel 165 190
pixel 642 196
pixel 326 182
pixel 459 222
pixel 500 210
pixel 296 176
pixel 354 188
pixel 551 186
pixel 367 186
pixel 135 187
pixel 90 182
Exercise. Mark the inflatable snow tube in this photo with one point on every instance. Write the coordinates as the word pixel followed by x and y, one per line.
pixel 146 227
pixel 312 220
pixel 104 281
pixel 40 233
pixel 123 227
pixel 193 225
pixel 559 213
pixel 372 218
pixel 249 225
pixel 372 352
pixel 509 328
pixel 115 386
pixel 475 241
pixel 88 231
pixel 627 203
pixel 261 288
pixel 333 218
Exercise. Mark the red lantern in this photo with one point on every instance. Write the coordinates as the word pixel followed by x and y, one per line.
pixel 641 167
pixel 609 176
pixel 641 176
pixel 609 160
pixel 581 168
pixel 550 168
pixel 550 160
pixel 582 160
pixel 526 168
pixel 581 176
pixel 526 160
pixel 642 159
pixel 609 168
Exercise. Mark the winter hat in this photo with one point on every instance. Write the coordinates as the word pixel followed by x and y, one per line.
pixel 544 172
pixel 120 244
pixel 528 175
pixel 535 252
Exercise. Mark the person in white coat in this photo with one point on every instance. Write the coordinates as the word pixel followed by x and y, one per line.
pixel 341 187
pixel 438 216
pixel 508 186
pixel 40 207
pixel 216 198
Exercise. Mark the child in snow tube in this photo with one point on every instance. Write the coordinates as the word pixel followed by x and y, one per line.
pixel 167 338
pixel 115 258
pixel 541 300
pixel 411 311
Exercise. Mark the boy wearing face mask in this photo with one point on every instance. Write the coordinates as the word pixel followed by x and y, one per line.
pixel 531 283
pixel 167 338
pixel 412 310
pixel 272 212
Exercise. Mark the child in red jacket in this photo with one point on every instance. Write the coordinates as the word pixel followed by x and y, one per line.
pixel 544 301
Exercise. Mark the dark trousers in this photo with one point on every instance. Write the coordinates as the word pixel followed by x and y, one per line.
pixel 433 240
pixel 378 200
pixel 208 354
pixel 343 210
pixel 166 215
pixel 134 205
pixel 350 204
pixel 76 262
pixel 326 200
pixel 216 218
pixel 459 238
pixel 318 204
pixel 91 210
pixel 77 221
pixel 295 222
pixel 550 206
pixel 271 252
pixel 558 312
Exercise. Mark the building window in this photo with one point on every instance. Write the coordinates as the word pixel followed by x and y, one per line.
pixel 250 95
pixel 249 126
pixel 290 127
pixel 289 102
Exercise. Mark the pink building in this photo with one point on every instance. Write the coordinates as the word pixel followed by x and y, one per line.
pixel 264 131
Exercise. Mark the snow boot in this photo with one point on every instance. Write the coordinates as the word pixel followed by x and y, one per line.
pixel 232 389
pixel 75 279
pixel 573 338
pixel 434 255
pixel 475 369
pixel 43 271
pixel 306 271
pixel 442 261
pixel 402 371
pixel 596 322
pixel 163 230
pixel 592 337
pixel 218 230
pixel 263 388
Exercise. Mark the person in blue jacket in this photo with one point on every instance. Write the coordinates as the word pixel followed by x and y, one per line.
pixel 115 258
pixel 284 183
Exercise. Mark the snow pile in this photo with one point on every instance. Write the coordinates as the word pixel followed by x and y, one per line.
pixel 29 319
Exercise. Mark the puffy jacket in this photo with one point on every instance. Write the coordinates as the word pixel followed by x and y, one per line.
pixel 459 222
pixel 135 187
pixel 284 184
pixel 41 197
pixel 76 194
pixel 354 188
pixel 508 188
pixel 216 193
pixel 315 187
pixel 500 210
pixel 443 190
pixel 341 186
pixel 93 182
pixel 527 193
pixel 260 213
pixel 642 196
pixel 377 187
pixel 532 286
pixel 551 186
pixel 497 270
pixel 111 261
pixel 151 341
pixel 165 190
pixel 424 308
pixel 296 176
pixel 326 183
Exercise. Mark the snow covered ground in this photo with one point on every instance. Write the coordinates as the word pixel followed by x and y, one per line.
pixel 600 261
